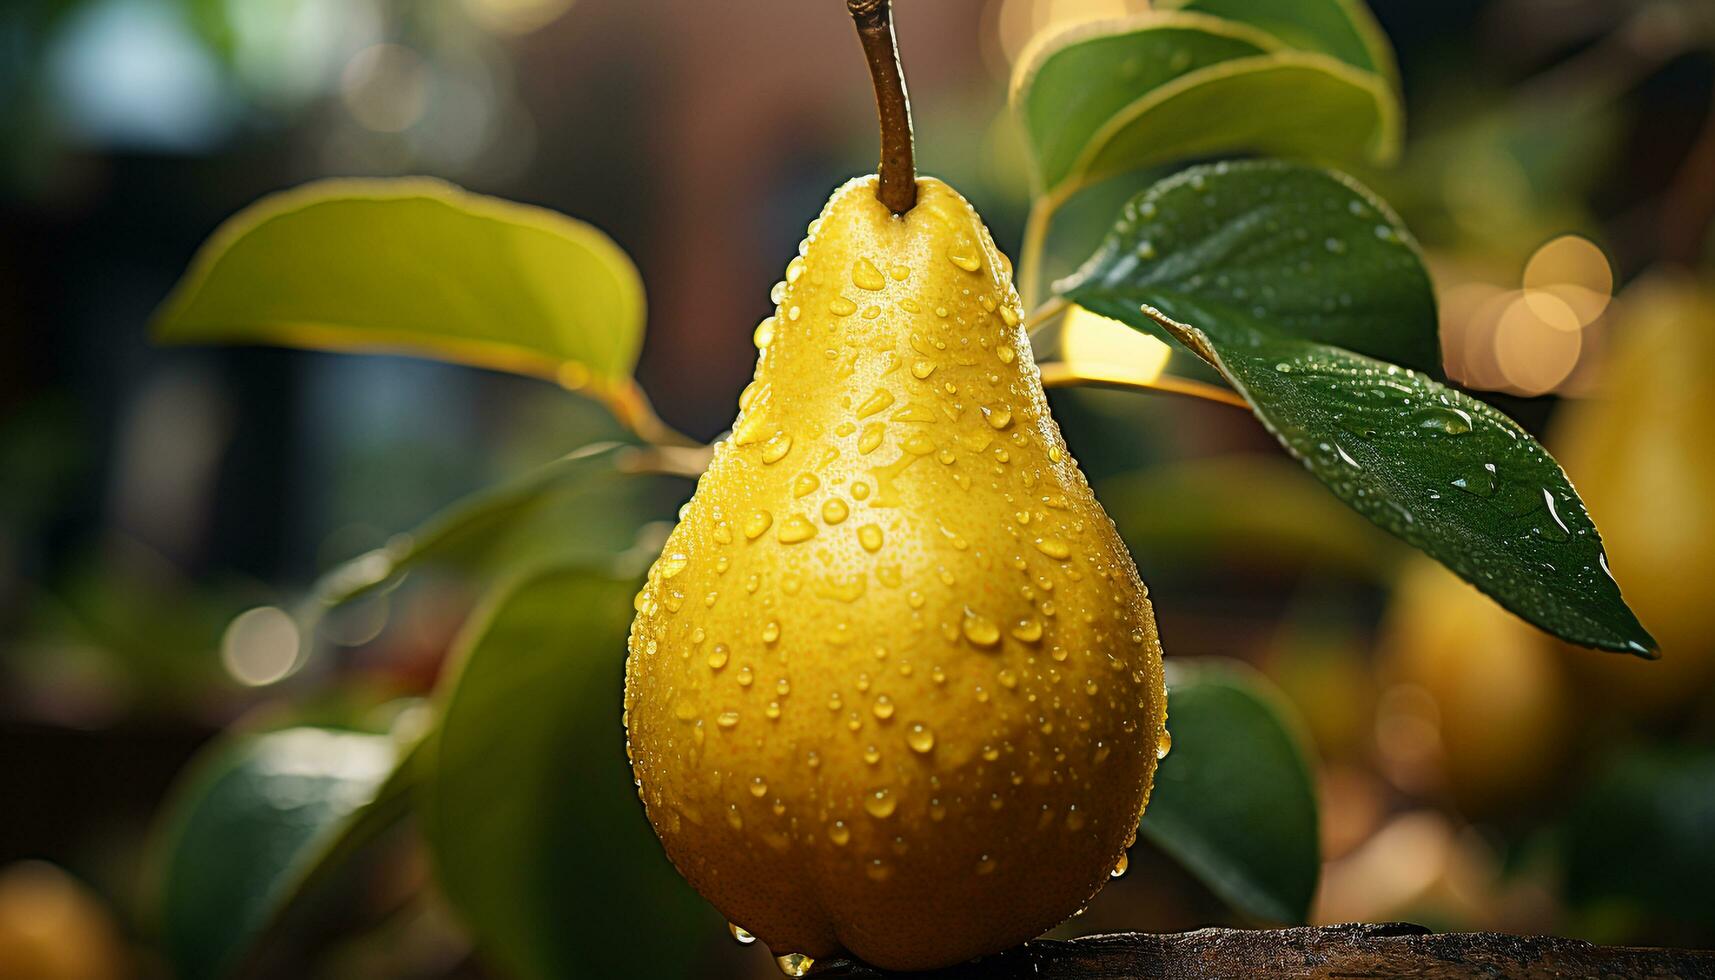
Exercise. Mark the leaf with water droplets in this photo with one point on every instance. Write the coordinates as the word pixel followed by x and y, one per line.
pixel 1445 472
pixel 1234 801
pixel 1256 249
pixel 527 803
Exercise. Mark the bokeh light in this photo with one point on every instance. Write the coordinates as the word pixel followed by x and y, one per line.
pixel 260 646
pixel 1103 349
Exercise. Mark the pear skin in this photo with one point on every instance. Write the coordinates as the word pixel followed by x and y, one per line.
pixel 894 686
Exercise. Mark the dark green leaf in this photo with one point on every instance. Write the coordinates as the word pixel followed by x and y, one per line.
pixel 1643 835
pixel 420 266
pixel 1252 250
pixel 1343 29
pixel 527 799
pixel 1234 801
pixel 505 524
pixel 261 816
pixel 1443 471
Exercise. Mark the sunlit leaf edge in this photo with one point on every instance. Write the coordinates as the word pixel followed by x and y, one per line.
pixel 313 864
pixel 1369 31
pixel 167 326
pixel 1385 142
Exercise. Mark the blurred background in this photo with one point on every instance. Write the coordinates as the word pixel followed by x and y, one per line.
pixel 159 507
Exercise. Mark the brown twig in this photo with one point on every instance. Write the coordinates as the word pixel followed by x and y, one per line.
pixel 1385 950
pixel 898 185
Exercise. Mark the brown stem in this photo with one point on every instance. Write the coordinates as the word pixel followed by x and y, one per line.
pixel 898 185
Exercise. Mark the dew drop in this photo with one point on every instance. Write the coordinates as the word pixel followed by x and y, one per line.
pixel 965 257
pixel 764 334
pixel 880 804
pixel 718 656
pixel 756 524
pixel 979 629
pixel 883 707
pixel 1119 866
pixel 775 449
pixel 794 964
pixel 1027 630
pixel 834 510
pixel 794 529
pixel 727 719
pixel 866 276
pixel 1163 744
pixel 840 306
pixel 870 537
pixel 839 833
pixel 1054 548
pixel 920 738
pixel 998 418
pixel 739 933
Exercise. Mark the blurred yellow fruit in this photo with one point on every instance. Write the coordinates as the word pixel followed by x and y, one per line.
pixel 53 928
pixel 1478 693
pixel 894 686
pixel 1642 455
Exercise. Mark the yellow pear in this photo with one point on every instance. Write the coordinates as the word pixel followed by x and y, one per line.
pixel 894 687
pixel 1639 454
pixel 1501 710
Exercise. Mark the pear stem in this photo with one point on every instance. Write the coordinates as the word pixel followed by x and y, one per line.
pixel 898 186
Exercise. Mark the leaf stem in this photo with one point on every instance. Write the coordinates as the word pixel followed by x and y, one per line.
pixel 1045 314
pixel 897 187
pixel 632 407
pixel 685 461
pixel 1030 253
pixel 1059 374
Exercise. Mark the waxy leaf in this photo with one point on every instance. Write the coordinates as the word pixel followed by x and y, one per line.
pixel 258 817
pixel 1252 250
pixel 1234 801
pixel 527 800
pixel 504 519
pixel 1443 471
pixel 416 266
pixel 1344 29
pixel 1115 96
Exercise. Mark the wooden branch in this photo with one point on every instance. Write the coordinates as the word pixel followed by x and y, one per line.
pixel 1383 950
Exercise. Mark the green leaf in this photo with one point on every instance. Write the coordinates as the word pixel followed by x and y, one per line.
pixel 417 266
pixel 260 817
pixel 527 798
pixel 1642 836
pixel 1443 471
pixel 1343 29
pixel 1062 109
pixel 1234 801
pixel 504 524
pixel 1103 99
pixel 1252 250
